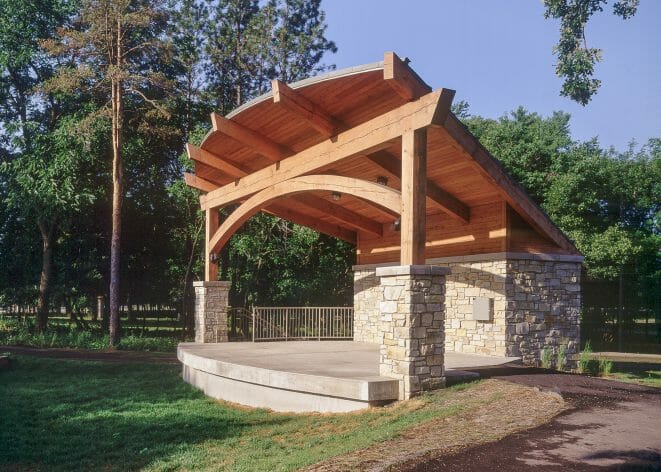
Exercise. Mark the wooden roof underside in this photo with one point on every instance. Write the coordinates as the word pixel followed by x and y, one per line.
pixel 293 118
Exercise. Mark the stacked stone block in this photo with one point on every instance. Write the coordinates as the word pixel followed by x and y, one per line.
pixel 211 311
pixel 366 299
pixel 411 325
pixel 543 309
pixel 536 305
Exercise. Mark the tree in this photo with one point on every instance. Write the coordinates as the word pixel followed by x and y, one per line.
pixel 110 46
pixel 39 170
pixel 576 60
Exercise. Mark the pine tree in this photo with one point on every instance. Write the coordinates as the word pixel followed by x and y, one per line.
pixel 111 45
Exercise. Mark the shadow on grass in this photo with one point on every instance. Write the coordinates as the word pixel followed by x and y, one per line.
pixel 65 415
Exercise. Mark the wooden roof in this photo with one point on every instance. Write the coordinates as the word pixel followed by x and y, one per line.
pixel 254 142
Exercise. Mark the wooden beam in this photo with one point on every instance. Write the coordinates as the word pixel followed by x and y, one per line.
pixel 435 194
pixel 199 183
pixel 381 195
pixel 402 78
pixel 489 167
pixel 213 160
pixel 361 139
pixel 348 217
pixel 260 143
pixel 321 226
pixel 414 186
pixel 212 222
pixel 298 105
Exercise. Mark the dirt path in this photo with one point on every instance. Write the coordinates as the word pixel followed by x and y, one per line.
pixel 94 355
pixel 612 426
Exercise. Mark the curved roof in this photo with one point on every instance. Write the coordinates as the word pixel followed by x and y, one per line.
pixel 461 175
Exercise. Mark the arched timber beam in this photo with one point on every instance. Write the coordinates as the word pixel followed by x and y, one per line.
pixel 384 196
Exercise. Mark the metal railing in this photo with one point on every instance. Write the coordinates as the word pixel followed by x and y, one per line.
pixel 300 323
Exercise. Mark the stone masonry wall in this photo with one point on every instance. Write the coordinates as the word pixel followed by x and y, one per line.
pixel 366 299
pixel 211 311
pixel 543 309
pixel 411 325
pixel 467 280
pixel 536 304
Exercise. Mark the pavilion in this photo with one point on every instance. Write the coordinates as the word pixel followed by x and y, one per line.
pixel 452 254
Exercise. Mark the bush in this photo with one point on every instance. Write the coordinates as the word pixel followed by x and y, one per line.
pixel 585 364
pixel 14 332
pixel 562 357
pixel 605 366
pixel 547 358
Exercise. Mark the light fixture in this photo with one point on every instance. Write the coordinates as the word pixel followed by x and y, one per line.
pixel 382 180
pixel 396 225
pixel 214 257
pixel 336 195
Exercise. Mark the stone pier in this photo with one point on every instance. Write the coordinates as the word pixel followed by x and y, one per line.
pixel 211 311
pixel 411 326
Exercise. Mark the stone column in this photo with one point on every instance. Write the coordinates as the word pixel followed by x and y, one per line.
pixel 211 311
pixel 411 326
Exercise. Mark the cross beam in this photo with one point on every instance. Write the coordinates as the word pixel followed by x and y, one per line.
pixel 449 203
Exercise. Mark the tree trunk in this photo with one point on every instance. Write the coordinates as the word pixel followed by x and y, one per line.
pixel 117 193
pixel 45 279
pixel 620 313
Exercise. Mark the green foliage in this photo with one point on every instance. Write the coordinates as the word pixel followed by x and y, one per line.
pixel 151 420
pixel 562 357
pixel 274 262
pixel 14 332
pixel 548 358
pixel 605 366
pixel 576 61
pixel 584 361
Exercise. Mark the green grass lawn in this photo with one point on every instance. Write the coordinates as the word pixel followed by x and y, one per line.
pixel 76 415
pixel 644 375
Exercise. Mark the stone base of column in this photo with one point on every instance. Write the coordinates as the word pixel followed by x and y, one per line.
pixel 411 323
pixel 211 299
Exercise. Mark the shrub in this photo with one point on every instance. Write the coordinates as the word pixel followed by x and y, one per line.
pixel 562 357
pixel 605 366
pixel 547 358
pixel 587 365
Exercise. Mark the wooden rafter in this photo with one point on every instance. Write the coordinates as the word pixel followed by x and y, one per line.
pixel 385 196
pixel 338 212
pixel 199 183
pixel 316 224
pixel 298 105
pixel 488 167
pixel 251 138
pixel 212 160
pixel 448 203
pixel 402 78
pixel 363 138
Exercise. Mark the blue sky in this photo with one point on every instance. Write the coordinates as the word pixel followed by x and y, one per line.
pixel 497 55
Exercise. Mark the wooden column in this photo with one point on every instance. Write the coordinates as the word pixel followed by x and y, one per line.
pixel 414 191
pixel 212 224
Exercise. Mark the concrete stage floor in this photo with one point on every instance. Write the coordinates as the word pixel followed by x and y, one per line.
pixel 328 376
pixel 341 359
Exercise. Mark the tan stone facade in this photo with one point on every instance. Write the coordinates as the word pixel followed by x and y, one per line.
pixel 366 299
pixel 411 327
pixel 211 311
pixel 534 300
